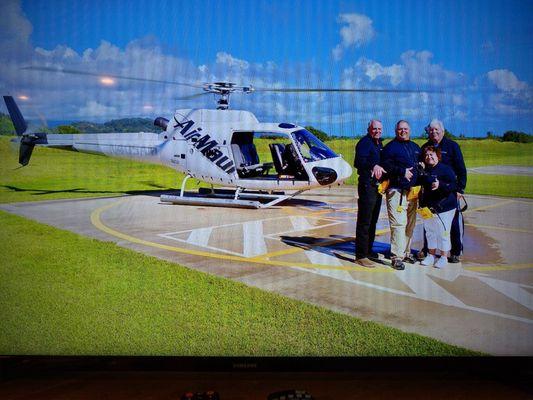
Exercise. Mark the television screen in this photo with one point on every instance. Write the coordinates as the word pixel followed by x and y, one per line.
pixel 268 179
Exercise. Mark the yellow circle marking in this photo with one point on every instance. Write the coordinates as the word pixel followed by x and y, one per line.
pixel 481 268
pixel 97 222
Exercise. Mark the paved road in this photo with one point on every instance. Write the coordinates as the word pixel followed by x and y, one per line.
pixel 503 170
pixel 304 250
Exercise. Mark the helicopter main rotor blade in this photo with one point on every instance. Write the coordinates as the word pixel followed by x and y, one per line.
pixel 321 90
pixel 102 75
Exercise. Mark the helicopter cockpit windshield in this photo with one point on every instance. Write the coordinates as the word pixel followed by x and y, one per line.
pixel 310 147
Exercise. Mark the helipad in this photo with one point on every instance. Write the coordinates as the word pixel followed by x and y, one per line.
pixel 305 249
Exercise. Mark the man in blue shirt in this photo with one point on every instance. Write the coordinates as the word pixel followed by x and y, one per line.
pixel 400 159
pixel 452 156
pixel 367 158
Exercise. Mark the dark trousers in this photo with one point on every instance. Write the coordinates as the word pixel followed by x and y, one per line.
pixel 456 235
pixel 368 206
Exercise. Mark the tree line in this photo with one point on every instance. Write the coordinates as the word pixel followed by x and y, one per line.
pixel 146 125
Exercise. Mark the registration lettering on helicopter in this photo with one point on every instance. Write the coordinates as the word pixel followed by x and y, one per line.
pixel 206 145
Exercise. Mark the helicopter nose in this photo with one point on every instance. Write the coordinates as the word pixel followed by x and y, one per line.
pixel 344 171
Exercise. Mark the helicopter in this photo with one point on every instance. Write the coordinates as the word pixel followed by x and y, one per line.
pixel 216 146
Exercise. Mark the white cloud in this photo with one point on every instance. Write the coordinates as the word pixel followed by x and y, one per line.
pixel 357 31
pixel 415 71
pixel 373 70
pixel 513 96
pixel 230 61
pixel 421 71
pixel 506 80
pixel 15 30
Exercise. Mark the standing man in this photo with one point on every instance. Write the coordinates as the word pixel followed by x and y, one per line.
pixel 367 158
pixel 453 157
pixel 400 160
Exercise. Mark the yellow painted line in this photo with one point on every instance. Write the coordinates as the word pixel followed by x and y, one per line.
pixel 501 203
pixel 499 267
pixel 350 210
pixel 500 228
pixel 97 222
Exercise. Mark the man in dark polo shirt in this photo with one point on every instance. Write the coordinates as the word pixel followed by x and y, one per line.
pixel 453 157
pixel 367 158
pixel 400 158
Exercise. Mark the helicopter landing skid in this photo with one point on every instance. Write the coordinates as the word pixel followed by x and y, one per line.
pixel 233 199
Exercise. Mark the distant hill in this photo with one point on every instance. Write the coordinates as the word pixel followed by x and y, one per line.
pixel 118 125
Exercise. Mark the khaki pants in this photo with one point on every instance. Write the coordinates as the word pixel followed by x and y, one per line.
pixel 402 223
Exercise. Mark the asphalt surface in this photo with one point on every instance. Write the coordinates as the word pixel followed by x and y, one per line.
pixel 503 170
pixel 304 249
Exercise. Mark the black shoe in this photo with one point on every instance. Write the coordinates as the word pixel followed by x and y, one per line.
pixel 454 259
pixel 409 258
pixel 373 256
pixel 397 264
pixel 421 255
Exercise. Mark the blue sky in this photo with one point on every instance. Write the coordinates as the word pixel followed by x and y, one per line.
pixel 475 56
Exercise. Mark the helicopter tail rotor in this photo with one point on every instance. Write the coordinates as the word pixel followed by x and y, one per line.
pixel 27 140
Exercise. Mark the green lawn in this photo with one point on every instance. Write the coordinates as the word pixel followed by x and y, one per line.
pixel 54 173
pixel 64 294
pixel 476 153
pixel 61 293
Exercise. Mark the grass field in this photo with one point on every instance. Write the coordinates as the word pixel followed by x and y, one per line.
pixel 64 294
pixel 54 174
pixel 476 153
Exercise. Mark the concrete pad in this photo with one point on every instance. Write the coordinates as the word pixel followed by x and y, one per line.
pixel 304 249
pixel 503 170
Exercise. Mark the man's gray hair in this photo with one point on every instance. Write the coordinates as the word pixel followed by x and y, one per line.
pixel 399 122
pixel 372 121
pixel 436 123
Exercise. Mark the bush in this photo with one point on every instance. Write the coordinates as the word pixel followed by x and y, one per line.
pixel 67 129
pixel 518 137
pixel 321 135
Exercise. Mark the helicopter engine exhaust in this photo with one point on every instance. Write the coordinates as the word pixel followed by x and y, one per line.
pixel 161 122
pixel 325 176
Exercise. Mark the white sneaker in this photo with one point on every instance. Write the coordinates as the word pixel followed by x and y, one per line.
pixel 442 262
pixel 428 260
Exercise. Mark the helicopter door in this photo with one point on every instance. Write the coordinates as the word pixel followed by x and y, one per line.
pixel 179 154
pixel 294 163
pixel 245 156
pixel 287 162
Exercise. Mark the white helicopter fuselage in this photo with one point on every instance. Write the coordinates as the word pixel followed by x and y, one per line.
pixel 204 144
